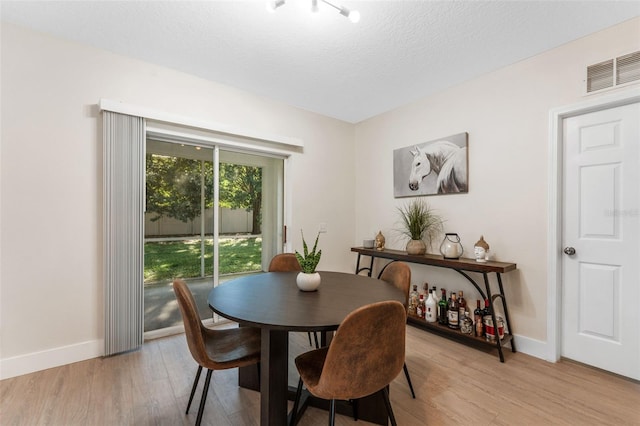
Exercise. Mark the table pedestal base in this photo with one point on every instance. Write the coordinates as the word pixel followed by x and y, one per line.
pixel 276 343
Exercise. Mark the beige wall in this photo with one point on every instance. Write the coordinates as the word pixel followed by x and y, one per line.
pixel 51 231
pixel 506 114
pixel 50 270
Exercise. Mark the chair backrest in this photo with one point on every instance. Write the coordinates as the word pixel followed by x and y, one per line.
pixel 192 324
pixel 399 275
pixel 284 262
pixel 366 353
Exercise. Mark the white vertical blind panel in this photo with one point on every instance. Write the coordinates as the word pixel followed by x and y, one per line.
pixel 123 231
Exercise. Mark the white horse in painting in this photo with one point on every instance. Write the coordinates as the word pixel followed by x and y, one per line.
pixel 447 160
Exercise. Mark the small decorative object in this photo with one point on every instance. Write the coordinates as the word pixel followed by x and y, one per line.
pixel 308 279
pixel 368 243
pixel 380 241
pixel 419 222
pixel 481 250
pixel 451 248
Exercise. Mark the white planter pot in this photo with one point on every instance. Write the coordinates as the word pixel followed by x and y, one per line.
pixel 308 282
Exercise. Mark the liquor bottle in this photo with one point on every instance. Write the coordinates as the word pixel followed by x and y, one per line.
pixel 420 310
pixel 466 324
pixel 487 308
pixel 489 328
pixel 435 296
pixel 442 308
pixel 413 301
pixel 462 305
pixel 477 317
pixel 431 304
pixel 453 312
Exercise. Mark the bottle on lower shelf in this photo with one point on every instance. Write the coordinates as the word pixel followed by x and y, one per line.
pixel 453 312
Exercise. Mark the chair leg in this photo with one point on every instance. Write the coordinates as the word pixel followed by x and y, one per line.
pixel 332 412
pixel 406 374
pixel 315 336
pixel 207 380
pixel 309 336
pixel 354 406
pixel 193 389
pixel 296 402
pixel 387 402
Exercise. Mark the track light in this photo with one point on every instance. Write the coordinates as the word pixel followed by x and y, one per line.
pixel 353 15
pixel 272 5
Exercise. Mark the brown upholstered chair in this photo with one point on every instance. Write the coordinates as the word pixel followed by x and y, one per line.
pixel 218 349
pixel 284 262
pixel 365 355
pixel 399 275
pixel 287 262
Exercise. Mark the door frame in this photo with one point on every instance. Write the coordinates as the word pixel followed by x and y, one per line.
pixel 555 204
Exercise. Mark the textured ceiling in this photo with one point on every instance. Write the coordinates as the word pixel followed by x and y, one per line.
pixel 400 51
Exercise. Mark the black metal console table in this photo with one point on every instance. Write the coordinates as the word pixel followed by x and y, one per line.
pixel 463 266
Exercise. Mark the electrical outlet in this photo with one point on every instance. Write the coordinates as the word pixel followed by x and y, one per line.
pixel 323 227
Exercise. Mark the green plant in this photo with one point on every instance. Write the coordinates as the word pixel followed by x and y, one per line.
pixel 419 221
pixel 310 260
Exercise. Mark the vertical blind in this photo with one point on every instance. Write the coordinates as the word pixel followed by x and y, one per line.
pixel 123 201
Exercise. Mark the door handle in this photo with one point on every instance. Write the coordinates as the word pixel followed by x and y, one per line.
pixel 570 251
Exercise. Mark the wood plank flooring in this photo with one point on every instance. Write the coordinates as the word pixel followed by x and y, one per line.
pixel 455 385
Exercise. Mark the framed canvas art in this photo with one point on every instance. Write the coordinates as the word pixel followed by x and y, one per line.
pixel 432 168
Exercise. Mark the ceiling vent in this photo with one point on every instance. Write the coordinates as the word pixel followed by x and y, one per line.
pixel 614 72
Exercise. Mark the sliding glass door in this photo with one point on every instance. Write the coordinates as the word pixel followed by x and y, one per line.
pixel 211 215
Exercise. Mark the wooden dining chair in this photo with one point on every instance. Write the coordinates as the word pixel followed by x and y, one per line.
pixel 399 275
pixel 214 349
pixel 364 356
pixel 287 262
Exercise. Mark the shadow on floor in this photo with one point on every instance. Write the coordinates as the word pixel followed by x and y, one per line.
pixel 161 308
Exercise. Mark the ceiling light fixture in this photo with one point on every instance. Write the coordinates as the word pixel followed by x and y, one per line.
pixel 353 15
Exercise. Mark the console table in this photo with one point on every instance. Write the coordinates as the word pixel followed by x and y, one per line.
pixel 463 266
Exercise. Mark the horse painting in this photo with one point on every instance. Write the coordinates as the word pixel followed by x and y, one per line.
pixel 447 160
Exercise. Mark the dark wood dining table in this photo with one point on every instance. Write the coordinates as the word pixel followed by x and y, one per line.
pixel 273 302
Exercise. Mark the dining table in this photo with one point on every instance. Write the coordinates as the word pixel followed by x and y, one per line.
pixel 273 302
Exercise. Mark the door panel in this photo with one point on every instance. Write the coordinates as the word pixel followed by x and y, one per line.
pixel 599 186
pixel 601 220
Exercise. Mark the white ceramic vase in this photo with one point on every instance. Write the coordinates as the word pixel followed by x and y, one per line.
pixel 308 282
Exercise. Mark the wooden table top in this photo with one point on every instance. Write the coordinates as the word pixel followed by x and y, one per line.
pixel 273 300
pixel 462 264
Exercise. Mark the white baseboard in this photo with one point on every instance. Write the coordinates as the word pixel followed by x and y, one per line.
pixel 529 346
pixel 36 361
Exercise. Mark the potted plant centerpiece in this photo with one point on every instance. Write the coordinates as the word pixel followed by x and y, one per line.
pixel 419 223
pixel 308 279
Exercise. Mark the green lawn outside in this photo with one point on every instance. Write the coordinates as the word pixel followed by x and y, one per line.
pixel 165 260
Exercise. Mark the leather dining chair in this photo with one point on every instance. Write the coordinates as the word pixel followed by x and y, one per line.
pixel 287 262
pixel 399 275
pixel 364 356
pixel 214 349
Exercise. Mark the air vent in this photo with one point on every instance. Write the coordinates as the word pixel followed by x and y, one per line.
pixel 628 68
pixel 614 72
pixel 600 76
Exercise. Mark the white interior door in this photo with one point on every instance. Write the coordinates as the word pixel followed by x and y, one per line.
pixel 601 223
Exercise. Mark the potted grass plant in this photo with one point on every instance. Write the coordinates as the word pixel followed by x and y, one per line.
pixel 308 279
pixel 420 224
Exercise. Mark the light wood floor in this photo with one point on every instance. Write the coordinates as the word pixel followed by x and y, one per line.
pixel 455 385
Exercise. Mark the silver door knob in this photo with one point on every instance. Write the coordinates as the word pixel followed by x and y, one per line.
pixel 570 251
